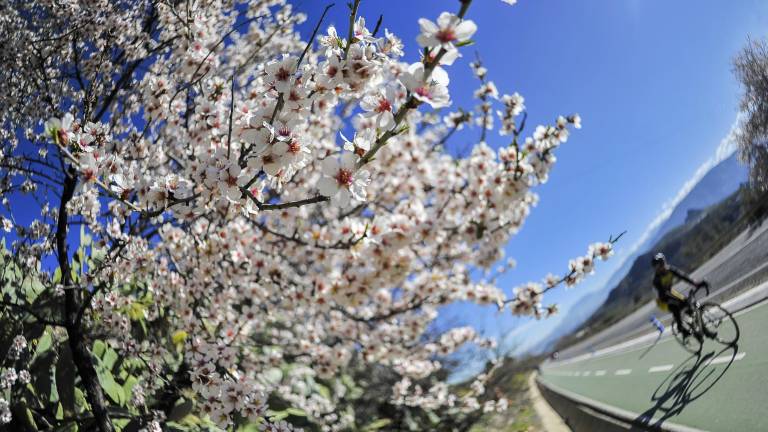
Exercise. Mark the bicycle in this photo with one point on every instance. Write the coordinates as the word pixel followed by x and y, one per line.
pixel 705 319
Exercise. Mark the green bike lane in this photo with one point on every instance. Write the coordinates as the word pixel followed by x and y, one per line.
pixel 720 389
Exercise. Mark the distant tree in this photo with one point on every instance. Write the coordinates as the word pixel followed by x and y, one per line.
pixel 751 68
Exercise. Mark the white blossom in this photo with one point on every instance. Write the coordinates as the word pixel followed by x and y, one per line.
pixel 342 181
pixel 225 227
pixel 432 90
pixel 449 29
pixel 5 412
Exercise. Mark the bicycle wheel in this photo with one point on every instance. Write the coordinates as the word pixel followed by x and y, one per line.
pixel 690 343
pixel 719 324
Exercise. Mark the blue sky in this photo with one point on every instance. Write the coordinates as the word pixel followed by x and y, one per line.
pixel 652 81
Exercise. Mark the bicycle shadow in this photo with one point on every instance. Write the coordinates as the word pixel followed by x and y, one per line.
pixel 687 382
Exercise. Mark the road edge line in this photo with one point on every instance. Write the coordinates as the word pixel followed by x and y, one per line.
pixel 616 412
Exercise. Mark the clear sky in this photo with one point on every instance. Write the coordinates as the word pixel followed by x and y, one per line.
pixel 652 81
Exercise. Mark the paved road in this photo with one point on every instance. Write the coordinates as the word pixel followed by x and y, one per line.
pixel 654 381
pixel 741 264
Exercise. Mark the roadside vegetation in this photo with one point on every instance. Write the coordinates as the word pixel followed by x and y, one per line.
pixel 751 69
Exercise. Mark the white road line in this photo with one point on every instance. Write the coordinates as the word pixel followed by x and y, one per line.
pixel 586 373
pixel 662 368
pixel 623 372
pixel 577 374
pixel 728 358
pixel 599 373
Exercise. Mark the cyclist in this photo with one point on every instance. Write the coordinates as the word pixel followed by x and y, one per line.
pixel 669 298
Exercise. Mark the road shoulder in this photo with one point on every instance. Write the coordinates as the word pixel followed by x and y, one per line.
pixel 550 419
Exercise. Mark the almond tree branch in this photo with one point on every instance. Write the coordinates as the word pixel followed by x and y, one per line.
pixel 280 206
pixel 412 102
pixel 351 34
pixel 612 240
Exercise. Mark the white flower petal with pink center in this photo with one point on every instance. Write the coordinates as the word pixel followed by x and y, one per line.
pixel 379 107
pixel 361 142
pixel 433 90
pixel 281 73
pixel 341 180
pixel 450 29
pixel 60 129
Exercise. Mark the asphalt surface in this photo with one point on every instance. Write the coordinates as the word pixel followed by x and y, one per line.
pixel 740 265
pixel 655 383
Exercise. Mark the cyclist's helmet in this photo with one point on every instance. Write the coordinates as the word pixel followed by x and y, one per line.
pixel 659 258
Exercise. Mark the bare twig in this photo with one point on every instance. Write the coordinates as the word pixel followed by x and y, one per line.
pixel 378 25
pixel 280 206
pixel 612 240
pixel 231 110
pixel 314 34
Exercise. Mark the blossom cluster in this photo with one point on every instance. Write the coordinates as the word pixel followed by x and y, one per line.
pixel 12 378
pixel 239 239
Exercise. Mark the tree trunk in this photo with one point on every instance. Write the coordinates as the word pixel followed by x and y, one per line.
pixel 80 354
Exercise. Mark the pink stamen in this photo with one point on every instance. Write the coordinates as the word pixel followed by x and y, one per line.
pixel 344 177
pixel 446 35
pixel 384 105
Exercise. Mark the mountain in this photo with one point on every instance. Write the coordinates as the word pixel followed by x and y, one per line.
pixel 576 317
pixel 688 246
pixel 717 184
pixel 722 180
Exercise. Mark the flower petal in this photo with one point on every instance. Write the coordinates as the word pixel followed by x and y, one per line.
pixel 330 166
pixel 440 76
pixel 342 198
pixel 280 148
pixel 427 26
pixel 358 191
pixel 327 186
pixel 465 30
pixel 427 40
pixel 348 161
pixel 446 19
pixel 387 120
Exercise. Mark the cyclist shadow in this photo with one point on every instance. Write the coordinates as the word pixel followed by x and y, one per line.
pixel 687 382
